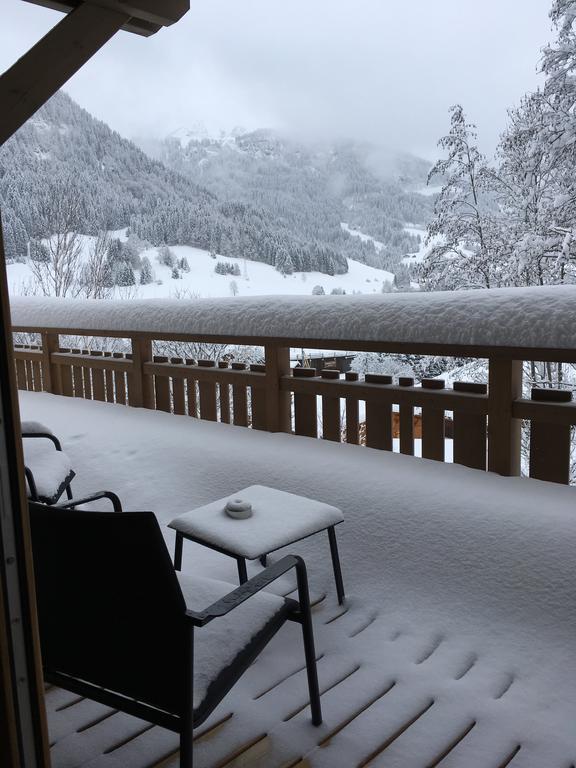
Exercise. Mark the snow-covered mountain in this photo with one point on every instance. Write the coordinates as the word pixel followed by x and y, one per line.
pixel 257 196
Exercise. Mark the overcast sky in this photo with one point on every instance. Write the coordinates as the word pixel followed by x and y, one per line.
pixel 383 70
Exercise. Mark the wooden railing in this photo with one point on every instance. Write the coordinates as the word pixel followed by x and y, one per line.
pixel 486 418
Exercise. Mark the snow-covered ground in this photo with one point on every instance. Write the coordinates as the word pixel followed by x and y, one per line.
pixel 456 642
pixel 255 278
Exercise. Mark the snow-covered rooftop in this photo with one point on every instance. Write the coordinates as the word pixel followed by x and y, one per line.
pixel 540 317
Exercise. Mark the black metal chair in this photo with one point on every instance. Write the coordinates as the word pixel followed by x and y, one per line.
pixel 53 475
pixel 115 625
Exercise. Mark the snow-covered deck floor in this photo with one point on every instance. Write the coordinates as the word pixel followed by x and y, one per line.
pixel 457 644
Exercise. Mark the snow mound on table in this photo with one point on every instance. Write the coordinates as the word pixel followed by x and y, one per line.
pixel 510 317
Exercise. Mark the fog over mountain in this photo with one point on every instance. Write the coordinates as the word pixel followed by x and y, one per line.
pixel 374 70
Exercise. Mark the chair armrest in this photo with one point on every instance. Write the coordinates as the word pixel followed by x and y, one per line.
pixel 116 504
pixel 251 587
pixel 46 436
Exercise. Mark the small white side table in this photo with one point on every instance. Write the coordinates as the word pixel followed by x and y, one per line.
pixel 278 519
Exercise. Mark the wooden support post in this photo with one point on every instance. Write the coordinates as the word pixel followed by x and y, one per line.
pixel 50 371
pixel 140 385
pixel 504 432
pixel 550 443
pixel 278 403
pixel 352 413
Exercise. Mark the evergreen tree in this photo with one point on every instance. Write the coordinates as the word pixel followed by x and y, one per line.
pixel 125 275
pixel 461 230
pixel 146 276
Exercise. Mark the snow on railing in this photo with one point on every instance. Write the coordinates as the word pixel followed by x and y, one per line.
pixel 532 318
pixel 504 326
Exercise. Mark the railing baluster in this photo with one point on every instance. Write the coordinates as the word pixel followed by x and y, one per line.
pixel 331 428
pixel 162 388
pixel 224 396
pixel 352 413
pixel 98 379
pixel 406 420
pixel 191 393
pixel 378 416
pixel 109 381
pixel 66 378
pixel 432 425
pixel 119 382
pixel 207 389
pixel 305 407
pixel 550 443
pixel 258 401
pixel 178 390
pixel 470 430
pixel 240 399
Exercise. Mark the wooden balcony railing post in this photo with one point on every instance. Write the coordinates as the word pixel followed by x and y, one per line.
pixel 50 372
pixel 278 410
pixel 140 385
pixel 504 431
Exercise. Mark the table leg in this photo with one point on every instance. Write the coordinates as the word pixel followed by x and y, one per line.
pixel 336 564
pixel 264 560
pixel 242 573
pixel 178 551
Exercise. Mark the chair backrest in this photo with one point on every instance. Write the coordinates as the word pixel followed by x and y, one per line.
pixel 110 608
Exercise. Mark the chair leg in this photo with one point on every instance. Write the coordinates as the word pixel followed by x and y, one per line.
pixel 336 564
pixel 242 572
pixel 178 551
pixel 186 748
pixel 68 492
pixel 308 637
pixel 187 720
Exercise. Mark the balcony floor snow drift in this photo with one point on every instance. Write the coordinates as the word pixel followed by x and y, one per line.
pixel 455 644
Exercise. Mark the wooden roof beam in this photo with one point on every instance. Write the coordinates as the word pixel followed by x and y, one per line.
pixel 44 69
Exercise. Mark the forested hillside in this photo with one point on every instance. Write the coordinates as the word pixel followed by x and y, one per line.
pixel 311 188
pixel 65 171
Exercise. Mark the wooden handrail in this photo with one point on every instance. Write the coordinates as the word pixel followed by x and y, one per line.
pixel 485 423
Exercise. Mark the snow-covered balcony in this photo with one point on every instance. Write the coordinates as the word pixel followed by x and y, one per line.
pixel 455 646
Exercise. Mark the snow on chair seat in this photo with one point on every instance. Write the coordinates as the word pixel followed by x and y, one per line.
pixel 217 646
pixel 50 472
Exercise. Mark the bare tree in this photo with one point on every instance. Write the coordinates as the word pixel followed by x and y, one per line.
pixel 59 215
pixel 95 274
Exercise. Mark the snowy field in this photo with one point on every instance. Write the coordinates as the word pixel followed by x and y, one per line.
pixel 456 643
pixel 255 278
